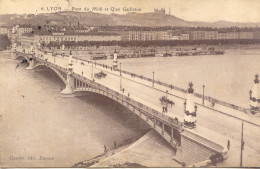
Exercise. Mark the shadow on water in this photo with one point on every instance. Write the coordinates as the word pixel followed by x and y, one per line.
pixel 108 119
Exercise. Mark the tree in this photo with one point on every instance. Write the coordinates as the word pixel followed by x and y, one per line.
pixel 4 42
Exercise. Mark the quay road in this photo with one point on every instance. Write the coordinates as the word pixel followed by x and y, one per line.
pixel 212 124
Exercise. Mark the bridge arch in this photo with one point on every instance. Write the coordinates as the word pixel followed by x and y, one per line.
pixel 169 133
pixel 60 75
pixel 22 56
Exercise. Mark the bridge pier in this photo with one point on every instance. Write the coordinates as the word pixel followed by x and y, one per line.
pixel 70 84
pixel 31 59
pixel 31 63
pixel 13 54
pixel 69 89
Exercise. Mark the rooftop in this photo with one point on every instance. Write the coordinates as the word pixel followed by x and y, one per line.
pixel 44 32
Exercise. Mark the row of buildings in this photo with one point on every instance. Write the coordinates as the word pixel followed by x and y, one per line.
pixel 190 35
pixel 214 35
pixel 27 34
pixel 156 35
pixel 19 30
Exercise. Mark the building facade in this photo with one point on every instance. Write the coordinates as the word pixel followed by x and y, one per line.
pixel 211 34
pixel 3 30
pixel 62 36
pixel 246 35
pixel 197 35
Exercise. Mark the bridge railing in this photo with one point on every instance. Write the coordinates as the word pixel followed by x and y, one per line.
pixel 170 86
pixel 173 122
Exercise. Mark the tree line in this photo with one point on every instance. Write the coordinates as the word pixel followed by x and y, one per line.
pixel 182 28
pixel 155 43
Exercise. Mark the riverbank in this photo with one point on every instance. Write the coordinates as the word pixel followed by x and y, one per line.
pixel 148 151
pixel 140 52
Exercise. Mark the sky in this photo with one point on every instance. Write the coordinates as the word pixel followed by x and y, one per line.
pixel 190 10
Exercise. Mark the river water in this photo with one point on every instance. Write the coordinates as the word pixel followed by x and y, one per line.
pixel 227 77
pixel 37 121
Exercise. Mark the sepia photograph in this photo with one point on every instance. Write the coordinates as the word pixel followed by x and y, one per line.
pixel 129 83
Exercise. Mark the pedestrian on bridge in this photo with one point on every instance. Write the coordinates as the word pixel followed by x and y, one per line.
pixel 115 144
pixel 105 148
pixel 82 73
pixel 228 144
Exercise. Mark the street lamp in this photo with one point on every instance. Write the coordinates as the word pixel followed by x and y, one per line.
pixel 153 78
pixel 203 94
pixel 166 100
pixel 242 146
pixel 92 71
pixel 120 78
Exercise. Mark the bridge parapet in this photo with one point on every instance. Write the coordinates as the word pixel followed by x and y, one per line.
pixel 171 86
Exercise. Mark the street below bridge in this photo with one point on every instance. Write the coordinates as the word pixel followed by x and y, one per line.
pixel 211 123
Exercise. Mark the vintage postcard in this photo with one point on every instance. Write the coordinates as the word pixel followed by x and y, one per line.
pixel 129 83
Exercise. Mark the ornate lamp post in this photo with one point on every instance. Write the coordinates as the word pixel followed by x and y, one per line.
pixel 190 109
pixel 153 78
pixel 185 104
pixel 242 145
pixel 120 78
pixel 255 97
pixel 203 94
pixel 92 71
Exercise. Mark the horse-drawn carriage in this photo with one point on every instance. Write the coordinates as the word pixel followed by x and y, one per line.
pixel 100 75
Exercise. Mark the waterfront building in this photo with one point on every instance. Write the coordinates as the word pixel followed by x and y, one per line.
pixel 22 29
pixel 184 36
pixel 211 34
pixel 142 35
pixel 232 35
pixel 156 35
pixel 3 30
pixel 27 40
pixel 246 35
pixel 197 35
pixel 256 35
pixel 48 37
pixel 19 30
pixel 222 35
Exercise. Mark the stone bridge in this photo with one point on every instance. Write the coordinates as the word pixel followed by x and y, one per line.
pixel 191 147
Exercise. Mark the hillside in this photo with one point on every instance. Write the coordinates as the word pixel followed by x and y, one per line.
pixel 90 18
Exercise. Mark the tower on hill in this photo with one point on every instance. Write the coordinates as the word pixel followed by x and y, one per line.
pixel 159 11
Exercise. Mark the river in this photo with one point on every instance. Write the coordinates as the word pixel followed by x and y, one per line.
pixel 37 121
pixel 227 77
